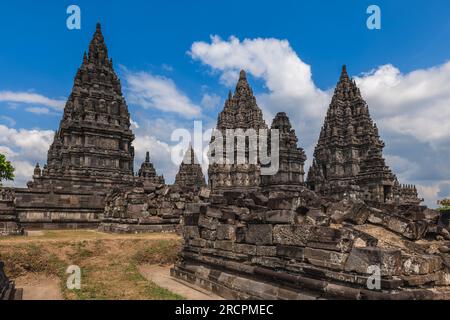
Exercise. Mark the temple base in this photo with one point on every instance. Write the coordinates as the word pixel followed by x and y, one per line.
pixel 265 284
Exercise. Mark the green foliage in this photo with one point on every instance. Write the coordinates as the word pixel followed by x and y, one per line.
pixel 444 205
pixel 6 169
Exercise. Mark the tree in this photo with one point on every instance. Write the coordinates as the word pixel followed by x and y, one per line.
pixel 6 169
pixel 445 205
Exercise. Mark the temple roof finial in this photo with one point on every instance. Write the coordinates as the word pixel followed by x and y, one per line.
pixel 344 73
pixel 242 74
pixel 147 157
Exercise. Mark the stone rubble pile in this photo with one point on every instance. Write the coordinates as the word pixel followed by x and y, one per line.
pixel 155 208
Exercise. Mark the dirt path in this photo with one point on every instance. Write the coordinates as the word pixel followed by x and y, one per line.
pixel 160 275
pixel 39 287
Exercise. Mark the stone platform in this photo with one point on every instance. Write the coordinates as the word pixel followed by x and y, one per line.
pixel 265 284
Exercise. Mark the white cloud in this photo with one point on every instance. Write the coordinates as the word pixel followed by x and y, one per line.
pixel 31 98
pixel 157 92
pixel 24 148
pixel 210 101
pixel 287 78
pixel 414 104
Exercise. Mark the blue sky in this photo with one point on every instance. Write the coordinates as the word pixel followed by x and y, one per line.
pixel 169 44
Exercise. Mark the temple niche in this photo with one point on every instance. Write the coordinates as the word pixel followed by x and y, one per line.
pixel 348 159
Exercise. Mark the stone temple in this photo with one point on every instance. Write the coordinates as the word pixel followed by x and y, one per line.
pixel 91 154
pixel 348 157
pixel 274 238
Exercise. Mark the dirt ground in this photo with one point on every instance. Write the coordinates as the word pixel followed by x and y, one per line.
pixel 160 275
pixel 113 267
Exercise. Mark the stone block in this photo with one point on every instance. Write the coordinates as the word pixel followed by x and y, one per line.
pixel 208 234
pixel 194 207
pixel 224 245
pixel 245 249
pixel 423 264
pixel 327 259
pixel 226 232
pixel 190 232
pixel 290 235
pixel 259 234
pixel 208 222
pixel 388 260
pixel 191 219
pixel 269 251
pixel 280 216
pixel 297 253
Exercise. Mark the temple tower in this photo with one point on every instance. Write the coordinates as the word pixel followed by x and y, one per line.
pixel 148 173
pixel 348 156
pixel 291 157
pixel 190 175
pixel 92 149
pixel 240 112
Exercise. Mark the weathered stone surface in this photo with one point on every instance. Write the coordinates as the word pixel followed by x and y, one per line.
pixel 297 235
pixel 259 234
pixel 423 264
pixel 324 258
pixel 226 232
pixel 360 259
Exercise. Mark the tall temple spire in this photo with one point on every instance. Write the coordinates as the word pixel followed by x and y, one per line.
pixel 241 111
pixel 98 52
pixel 348 155
pixel 94 133
pixel 243 89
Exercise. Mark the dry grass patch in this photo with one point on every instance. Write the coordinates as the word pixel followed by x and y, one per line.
pixel 109 263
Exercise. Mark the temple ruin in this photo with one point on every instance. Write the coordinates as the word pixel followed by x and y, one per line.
pixel 154 206
pixel 277 239
pixel 247 235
